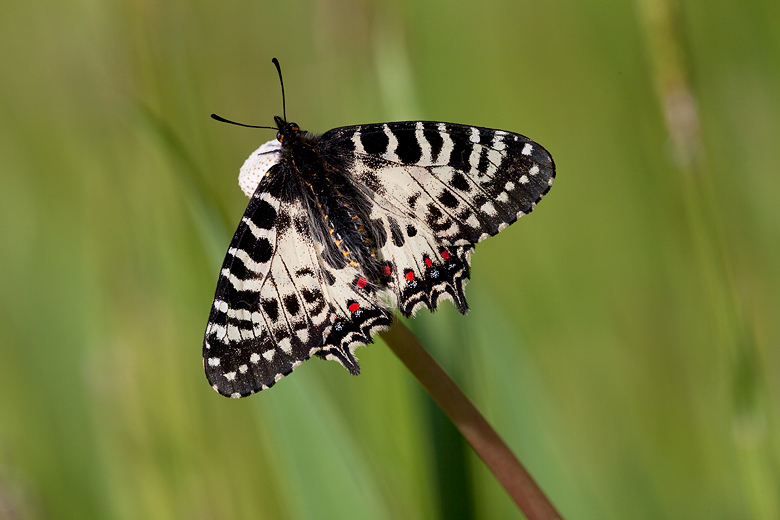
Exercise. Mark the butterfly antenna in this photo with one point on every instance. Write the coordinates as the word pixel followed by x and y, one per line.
pixel 223 120
pixel 279 70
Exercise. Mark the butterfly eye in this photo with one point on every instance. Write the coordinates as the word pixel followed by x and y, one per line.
pixel 279 136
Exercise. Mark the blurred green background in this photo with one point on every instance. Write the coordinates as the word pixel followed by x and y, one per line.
pixel 623 338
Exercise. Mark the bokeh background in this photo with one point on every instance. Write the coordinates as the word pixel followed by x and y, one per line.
pixel 623 338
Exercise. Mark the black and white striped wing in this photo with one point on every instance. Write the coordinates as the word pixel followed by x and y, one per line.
pixel 270 308
pixel 439 189
pixel 276 305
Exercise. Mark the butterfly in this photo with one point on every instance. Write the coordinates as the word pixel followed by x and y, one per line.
pixel 344 226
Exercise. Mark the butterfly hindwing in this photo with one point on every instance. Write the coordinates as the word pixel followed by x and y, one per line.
pixel 420 270
pixel 360 310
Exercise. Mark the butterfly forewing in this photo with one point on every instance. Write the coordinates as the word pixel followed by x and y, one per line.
pixel 440 188
pixel 315 268
pixel 270 310
pixel 465 183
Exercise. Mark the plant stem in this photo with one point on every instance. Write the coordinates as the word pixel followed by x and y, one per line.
pixel 517 482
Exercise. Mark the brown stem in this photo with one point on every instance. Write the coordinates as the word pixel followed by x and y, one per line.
pixel 472 425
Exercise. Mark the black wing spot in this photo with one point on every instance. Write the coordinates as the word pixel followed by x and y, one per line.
pixel 242 300
pixel 291 304
pixel 282 222
pixel 271 309
pixel 304 271
pixel 434 213
pixel 486 136
pixel 310 296
pixel 434 138
pixel 448 199
pixel 281 333
pixel 264 215
pixel 408 149
pixel 459 182
pixel 301 225
pixel 459 158
pixel 371 180
pixel 262 251
pixel 374 143
pixel 411 230
pixel 239 270
pixel 484 162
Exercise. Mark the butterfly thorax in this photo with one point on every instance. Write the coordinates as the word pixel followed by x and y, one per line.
pixel 339 211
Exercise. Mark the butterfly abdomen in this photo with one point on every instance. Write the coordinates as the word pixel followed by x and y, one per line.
pixel 340 220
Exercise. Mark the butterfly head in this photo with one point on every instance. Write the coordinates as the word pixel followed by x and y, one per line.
pixel 286 131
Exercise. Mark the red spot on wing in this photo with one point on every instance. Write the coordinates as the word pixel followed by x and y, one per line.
pixel 387 270
pixel 361 282
pixel 410 275
pixel 428 262
pixel 353 307
pixel 445 255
